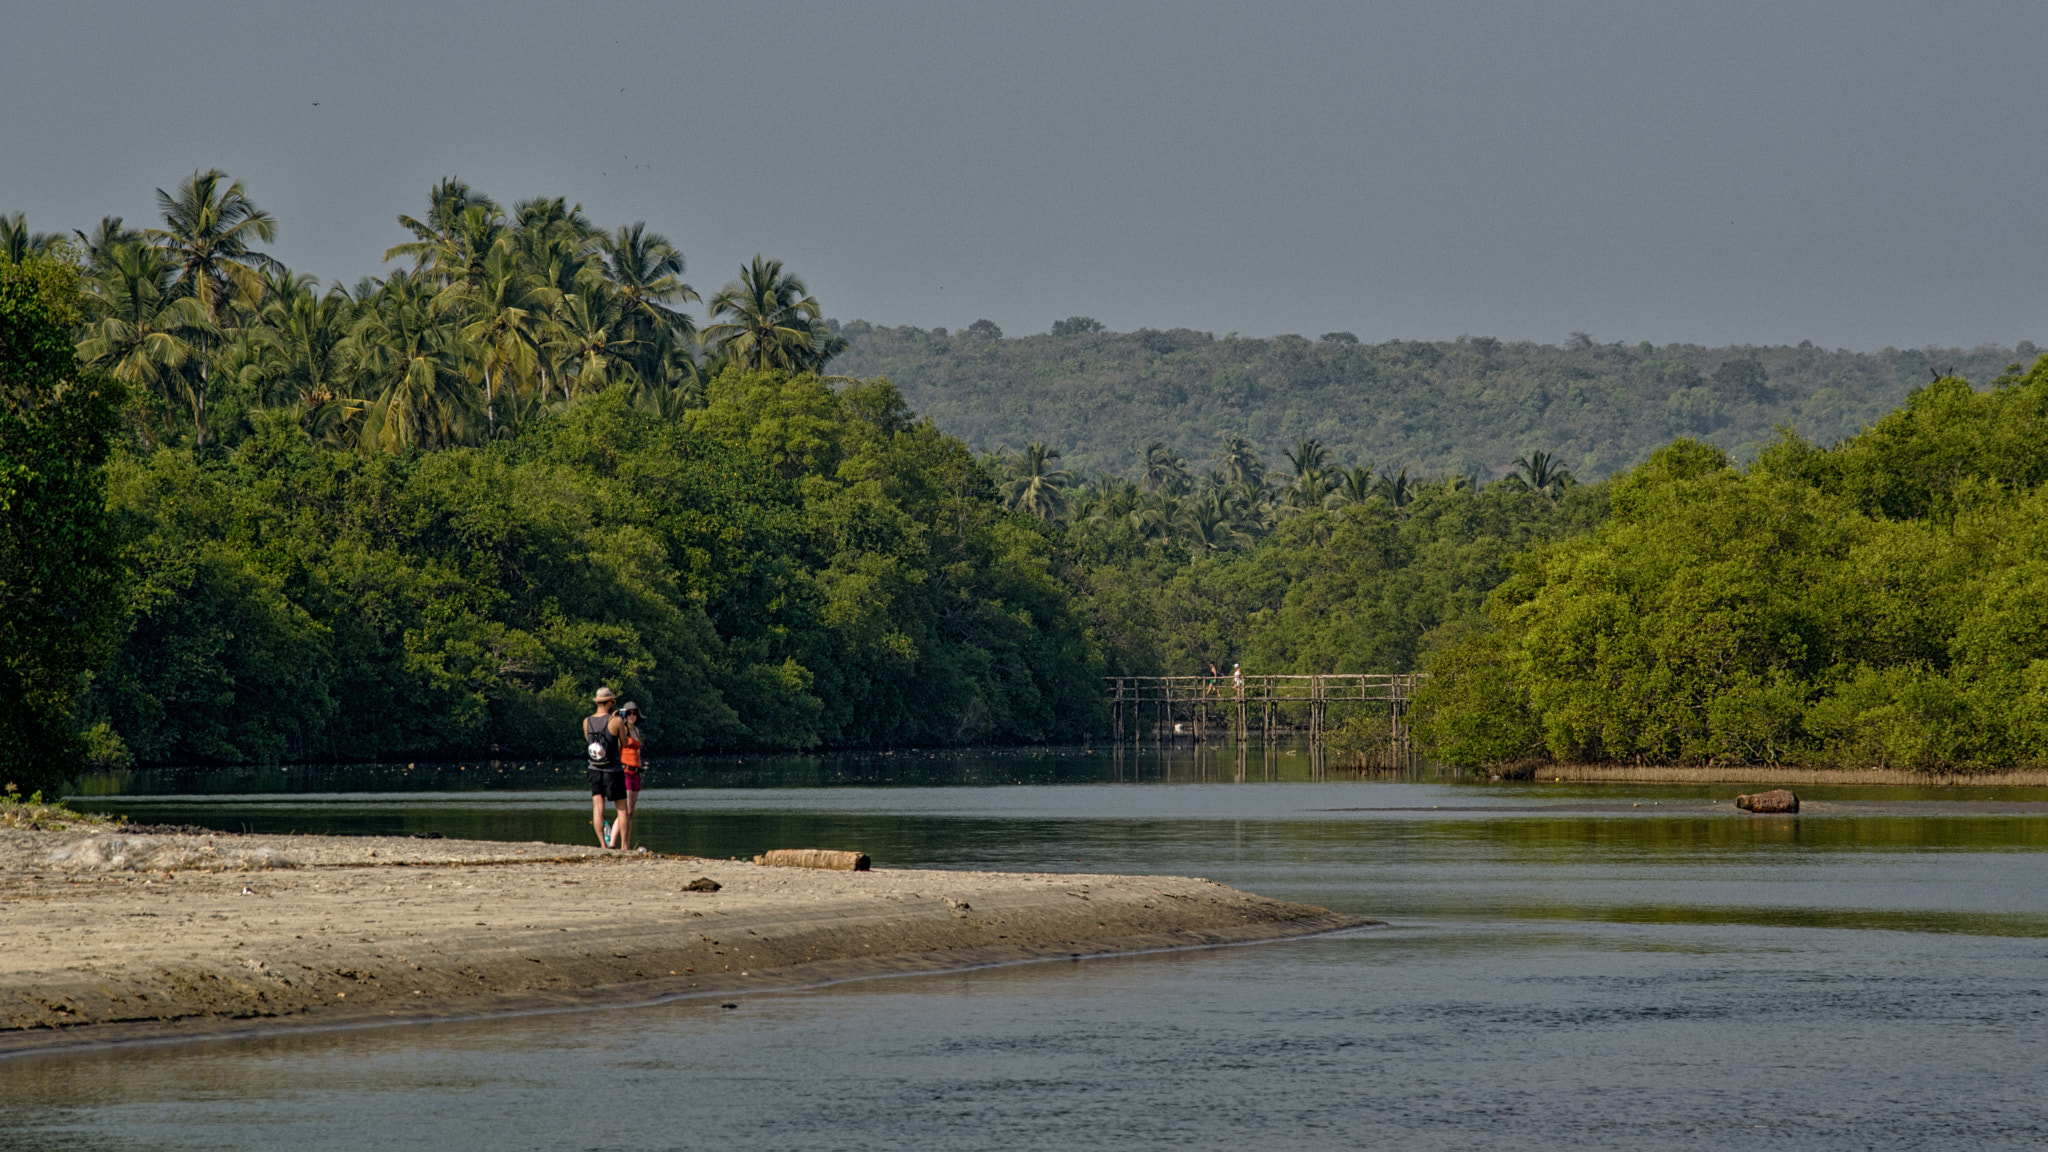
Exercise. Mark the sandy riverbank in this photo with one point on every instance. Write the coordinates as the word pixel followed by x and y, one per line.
pixel 133 937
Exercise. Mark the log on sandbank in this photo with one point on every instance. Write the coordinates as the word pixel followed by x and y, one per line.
pixel 108 943
pixel 815 858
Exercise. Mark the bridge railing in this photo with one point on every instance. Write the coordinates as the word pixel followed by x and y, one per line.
pixel 1328 687
pixel 1168 708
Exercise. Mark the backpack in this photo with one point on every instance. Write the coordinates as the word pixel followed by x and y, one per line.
pixel 603 747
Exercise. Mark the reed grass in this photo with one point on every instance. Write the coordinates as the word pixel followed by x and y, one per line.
pixel 1769 774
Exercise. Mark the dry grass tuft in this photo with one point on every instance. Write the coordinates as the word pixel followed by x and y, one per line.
pixel 40 815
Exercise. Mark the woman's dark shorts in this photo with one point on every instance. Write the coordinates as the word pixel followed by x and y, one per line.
pixel 609 783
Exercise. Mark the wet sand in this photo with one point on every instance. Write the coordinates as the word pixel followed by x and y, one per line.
pixel 105 939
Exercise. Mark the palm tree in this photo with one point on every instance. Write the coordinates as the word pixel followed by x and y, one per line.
pixel 1110 498
pixel 1307 456
pixel 1165 471
pixel 1205 524
pixel 100 244
pixel 556 242
pixel 140 331
pixel 307 336
pixel 1395 488
pixel 591 341
pixel 461 228
pixel 1355 485
pixel 1544 473
pixel 505 312
pixel 1240 462
pixel 1312 489
pixel 17 243
pixel 647 270
pixel 208 227
pixel 1034 485
pixel 411 361
pixel 772 320
pixel 672 384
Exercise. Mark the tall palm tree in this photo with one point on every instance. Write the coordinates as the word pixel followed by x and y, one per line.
pixel 1395 488
pixel 556 241
pixel 461 227
pixel 209 226
pixel 110 233
pixel 1312 489
pixel 455 256
pixel 1109 499
pixel 1164 470
pixel 505 314
pixel 1307 456
pixel 1544 473
pixel 1034 485
pixel 140 330
pixel 770 319
pixel 411 362
pixel 647 270
pixel 1240 462
pixel 1205 523
pixel 17 243
pixel 1355 485
pixel 590 340
pixel 307 333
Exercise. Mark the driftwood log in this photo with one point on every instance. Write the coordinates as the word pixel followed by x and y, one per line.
pixel 1776 800
pixel 815 858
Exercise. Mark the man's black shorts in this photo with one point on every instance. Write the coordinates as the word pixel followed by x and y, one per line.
pixel 609 783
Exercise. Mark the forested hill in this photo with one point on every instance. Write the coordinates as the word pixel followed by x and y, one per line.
pixel 1467 406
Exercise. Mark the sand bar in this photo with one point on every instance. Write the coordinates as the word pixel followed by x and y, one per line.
pixel 112 937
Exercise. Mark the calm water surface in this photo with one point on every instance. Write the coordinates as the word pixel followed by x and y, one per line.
pixel 1562 969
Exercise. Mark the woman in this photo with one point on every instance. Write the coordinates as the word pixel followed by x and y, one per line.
pixel 629 762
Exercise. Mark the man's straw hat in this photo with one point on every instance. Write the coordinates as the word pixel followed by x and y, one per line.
pixel 604 694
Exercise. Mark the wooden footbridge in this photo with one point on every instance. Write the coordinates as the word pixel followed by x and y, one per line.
pixel 1200 708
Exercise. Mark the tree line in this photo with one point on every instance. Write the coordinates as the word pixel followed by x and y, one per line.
pixel 1882 601
pixel 1236 503
pixel 503 315
pixel 1445 407
pixel 1324 567
pixel 252 520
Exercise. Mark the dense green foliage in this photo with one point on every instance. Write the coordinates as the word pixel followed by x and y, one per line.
pixel 59 579
pixel 1460 407
pixel 786 566
pixel 1363 586
pixel 427 515
pixel 504 316
pixel 1880 602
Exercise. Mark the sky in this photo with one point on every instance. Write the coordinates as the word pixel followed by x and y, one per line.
pixel 1861 175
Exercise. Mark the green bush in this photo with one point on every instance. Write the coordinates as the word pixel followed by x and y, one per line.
pixel 1880 603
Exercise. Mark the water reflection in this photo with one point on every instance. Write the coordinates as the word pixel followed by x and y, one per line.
pixel 1568 965
pixel 1288 761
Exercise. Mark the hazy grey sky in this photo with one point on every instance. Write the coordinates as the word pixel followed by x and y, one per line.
pixel 1857 174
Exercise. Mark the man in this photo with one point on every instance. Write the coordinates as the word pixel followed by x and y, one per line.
pixel 601 732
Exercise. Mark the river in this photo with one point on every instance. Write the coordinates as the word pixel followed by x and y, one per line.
pixel 1571 966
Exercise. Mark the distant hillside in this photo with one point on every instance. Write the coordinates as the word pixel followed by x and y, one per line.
pixel 1471 405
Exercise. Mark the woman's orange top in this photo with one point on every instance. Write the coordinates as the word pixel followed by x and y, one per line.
pixel 629 753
